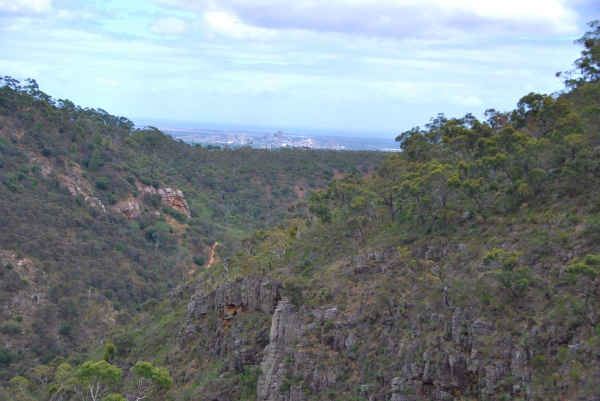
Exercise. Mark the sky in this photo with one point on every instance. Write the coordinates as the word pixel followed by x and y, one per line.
pixel 375 67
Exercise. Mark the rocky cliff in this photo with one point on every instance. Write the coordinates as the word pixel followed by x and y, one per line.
pixel 131 209
pixel 170 197
pixel 368 351
pixel 229 322
pixel 439 356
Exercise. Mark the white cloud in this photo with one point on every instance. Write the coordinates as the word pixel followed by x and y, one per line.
pixel 392 18
pixel 23 7
pixel 169 26
pixel 107 82
pixel 227 25
pixel 68 14
pixel 467 100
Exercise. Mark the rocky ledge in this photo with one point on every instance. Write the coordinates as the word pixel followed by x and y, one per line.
pixel 170 197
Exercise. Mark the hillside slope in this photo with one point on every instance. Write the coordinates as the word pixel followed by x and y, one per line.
pixel 466 267
pixel 100 218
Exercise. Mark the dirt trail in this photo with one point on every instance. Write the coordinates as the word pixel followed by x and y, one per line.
pixel 211 259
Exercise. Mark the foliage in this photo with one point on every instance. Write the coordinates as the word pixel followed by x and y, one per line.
pixel 482 214
pixel 505 268
pixel 5 356
pixel 109 352
pixel 114 397
pixel 150 379
pixel 10 328
pixel 95 376
pixel 293 288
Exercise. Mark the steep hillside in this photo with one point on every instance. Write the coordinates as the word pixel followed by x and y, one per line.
pixel 99 218
pixel 466 267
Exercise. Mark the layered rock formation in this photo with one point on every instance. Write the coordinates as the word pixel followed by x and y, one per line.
pixel 444 357
pixel 229 300
pixel 170 197
pixel 77 185
pixel 367 351
pixel 131 209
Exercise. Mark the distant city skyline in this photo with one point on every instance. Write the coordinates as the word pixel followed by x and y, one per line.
pixel 200 125
pixel 280 139
pixel 364 66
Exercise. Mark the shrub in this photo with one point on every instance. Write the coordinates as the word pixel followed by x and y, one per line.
pixel 199 260
pixel 109 352
pixel 122 318
pixel 293 288
pixel 123 341
pixel 65 330
pixel 103 183
pixel 10 328
pixel 114 397
pixel 150 304
pixel 5 357
pixel 119 246
pixel 96 161
pixel 539 362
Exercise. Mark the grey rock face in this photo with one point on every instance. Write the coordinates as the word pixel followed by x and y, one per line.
pixel 233 297
pixel 365 351
pixel 212 319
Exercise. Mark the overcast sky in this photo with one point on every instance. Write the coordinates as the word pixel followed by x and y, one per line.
pixel 378 66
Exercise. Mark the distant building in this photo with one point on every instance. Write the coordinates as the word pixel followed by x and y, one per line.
pixel 230 137
pixel 279 136
pixel 241 138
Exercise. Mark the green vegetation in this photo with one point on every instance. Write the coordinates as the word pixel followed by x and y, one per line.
pixel 495 218
pixel 62 170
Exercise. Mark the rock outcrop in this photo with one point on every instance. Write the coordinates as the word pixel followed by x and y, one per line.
pixel 443 357
pixel 78 185
pixel 369 351
pixel 308 353
pixel 170 197
pixel 131 209
pixel 249 294
pixel 218 318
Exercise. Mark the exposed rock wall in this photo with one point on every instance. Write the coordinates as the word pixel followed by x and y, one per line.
pixel 249 294
pixel 445 357
pixel 367 351
pixel 214 319
pixel 77 185
pixel 131 209
pixel 170 197
pixel 373 354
